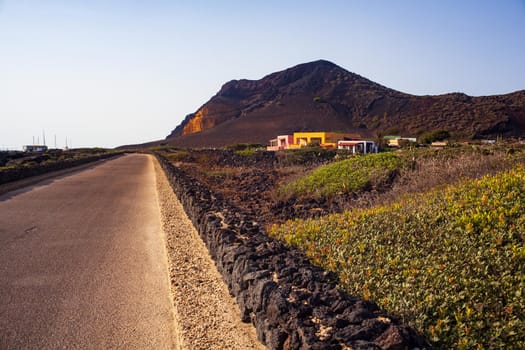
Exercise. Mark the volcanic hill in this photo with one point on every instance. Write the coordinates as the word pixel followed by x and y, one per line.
pixel 321 96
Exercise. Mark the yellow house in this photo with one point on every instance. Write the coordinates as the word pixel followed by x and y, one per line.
pixel 322 138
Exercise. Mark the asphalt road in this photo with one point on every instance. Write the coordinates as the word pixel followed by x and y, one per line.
pixel 83 262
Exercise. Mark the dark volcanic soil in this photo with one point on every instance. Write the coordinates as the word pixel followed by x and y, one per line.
pixel 250 182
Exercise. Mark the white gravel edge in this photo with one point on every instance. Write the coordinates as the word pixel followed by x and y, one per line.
pixel 206 316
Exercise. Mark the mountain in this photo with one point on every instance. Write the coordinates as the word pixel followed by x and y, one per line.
pixel 321 96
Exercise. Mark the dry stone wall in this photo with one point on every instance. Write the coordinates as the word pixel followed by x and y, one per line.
pixel 291 303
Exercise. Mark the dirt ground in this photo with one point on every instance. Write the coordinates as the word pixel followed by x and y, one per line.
pixel 250 183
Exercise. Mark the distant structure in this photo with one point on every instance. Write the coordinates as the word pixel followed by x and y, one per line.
pixel 351 142
pixel 439 144
pixel 280 143
pixel 302 139
pixel 358 146
pixel 394 140
pixel 34 148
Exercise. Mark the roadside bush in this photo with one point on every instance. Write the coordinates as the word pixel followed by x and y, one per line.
pixel 178 155
pixel 450 261
pixel 41 163
pixel 162 148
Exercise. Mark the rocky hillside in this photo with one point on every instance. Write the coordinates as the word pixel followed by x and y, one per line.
pixel 323 96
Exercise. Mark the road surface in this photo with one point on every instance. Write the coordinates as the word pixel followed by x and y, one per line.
pixel 83 262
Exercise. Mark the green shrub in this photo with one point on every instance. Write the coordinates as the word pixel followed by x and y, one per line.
pixel 451 261
pixel 351 175
pixel 306 155
pixel 438 135
pixel 245 146
pixel 162 148
pixel 245 149
pixel 179 155
pixel 248 152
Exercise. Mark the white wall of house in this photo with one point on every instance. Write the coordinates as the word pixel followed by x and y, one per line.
pixel 364 147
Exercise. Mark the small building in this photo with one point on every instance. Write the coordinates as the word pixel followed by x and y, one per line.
pixel 34 148
pixel 321 138
pixel 302 139
pixel 439 144
pixel 280 143
pixel 394 140
pixel 358 146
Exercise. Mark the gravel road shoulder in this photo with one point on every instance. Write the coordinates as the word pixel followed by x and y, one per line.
pixel 207 317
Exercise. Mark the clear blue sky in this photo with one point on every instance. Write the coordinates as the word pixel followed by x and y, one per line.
pixel 112 72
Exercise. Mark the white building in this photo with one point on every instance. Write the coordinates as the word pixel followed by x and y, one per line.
pixel 358 146
pixel 34 148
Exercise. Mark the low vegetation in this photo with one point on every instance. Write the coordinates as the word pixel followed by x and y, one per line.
pixel 450 261
pixel 178 155
pixel 306 156
pixel 246 149
pixel 15 165
pixel 351 175
pixel 434 236
pixel 438 135
pixel 17 159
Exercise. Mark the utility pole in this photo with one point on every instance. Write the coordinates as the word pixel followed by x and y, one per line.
pixel 43 137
